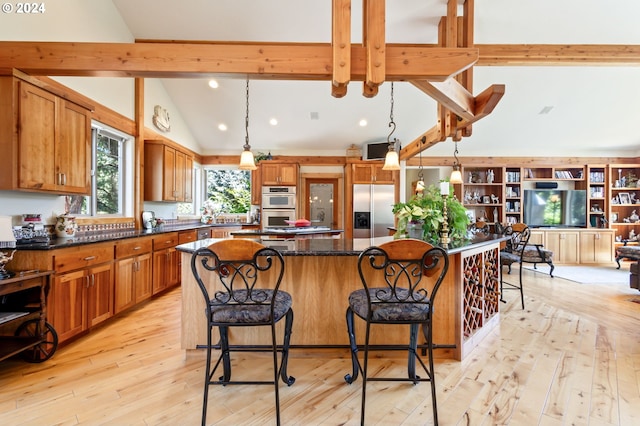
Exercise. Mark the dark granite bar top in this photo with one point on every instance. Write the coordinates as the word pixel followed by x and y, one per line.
pixel 286 232
pixel 99 237
pixel 342 246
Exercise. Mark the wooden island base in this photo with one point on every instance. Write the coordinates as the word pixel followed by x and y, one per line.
pixel 466 308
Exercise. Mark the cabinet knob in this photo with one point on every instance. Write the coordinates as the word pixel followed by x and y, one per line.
pixel 88 258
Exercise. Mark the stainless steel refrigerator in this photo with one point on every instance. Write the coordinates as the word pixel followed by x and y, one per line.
pixel 372 210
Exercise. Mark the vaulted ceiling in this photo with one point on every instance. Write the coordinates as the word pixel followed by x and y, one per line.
pixel 568 101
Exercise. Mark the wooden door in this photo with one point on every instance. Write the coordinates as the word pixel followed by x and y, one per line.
pixel 66 306
pixel 289 174
pixel 100 294
pixel 36 138
pixel 169 174
pixel 174 265
pixel 188 179
pixel 73 149
pixel 382 176
pixel 270 173
pixel 180 175
pixel 362 173
pixel 124 296
pixel 326 212
pixel 160 269
pixel 142 277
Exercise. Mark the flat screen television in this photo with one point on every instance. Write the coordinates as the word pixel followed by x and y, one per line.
pixel 555 208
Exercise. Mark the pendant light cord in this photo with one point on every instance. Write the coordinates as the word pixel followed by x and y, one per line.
pixel 391 122
pixel 246 121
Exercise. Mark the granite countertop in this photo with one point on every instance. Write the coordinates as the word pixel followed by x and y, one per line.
pixel 344 246
pixel 104 236
pixel 288 231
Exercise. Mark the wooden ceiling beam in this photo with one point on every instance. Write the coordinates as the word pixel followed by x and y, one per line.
pixel 432 137
pixel 451 94
pixel 558 54
pixel 374 43
pixel 271 61
pixel 341 45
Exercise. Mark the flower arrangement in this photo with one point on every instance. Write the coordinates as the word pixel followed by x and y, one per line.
pixel 426 209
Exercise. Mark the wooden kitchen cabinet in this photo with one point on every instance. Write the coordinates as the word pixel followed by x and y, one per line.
pixel 285 174
pixel 256 186
pixel 168 173
pixel 50 137
pixel 371 172
pixel 166 262
pixel 133 272
pixel 81 299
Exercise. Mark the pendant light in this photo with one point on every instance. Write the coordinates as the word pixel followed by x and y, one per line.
pixel 391 160
pixel 247 161
pixel 456 175
pixel 420 184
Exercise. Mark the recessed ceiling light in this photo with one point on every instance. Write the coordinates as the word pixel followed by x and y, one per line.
pixel 213 84
pixel 222 127
pixel 546 110
pixel 363 123
pixel 273 122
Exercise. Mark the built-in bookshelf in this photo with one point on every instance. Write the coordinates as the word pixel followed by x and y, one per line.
pixel 513 194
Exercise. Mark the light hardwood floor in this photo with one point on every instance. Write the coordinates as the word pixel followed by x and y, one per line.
pixel 571 358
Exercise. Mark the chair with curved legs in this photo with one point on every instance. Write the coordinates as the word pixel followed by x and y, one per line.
pixel 240 281
pixel 400 280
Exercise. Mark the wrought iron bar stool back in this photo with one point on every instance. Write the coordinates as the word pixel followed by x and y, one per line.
pixel 240 281
pixel 519 250
pixel 400 280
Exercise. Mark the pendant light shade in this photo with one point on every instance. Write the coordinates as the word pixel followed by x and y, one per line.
pixel 247 162
pixel 456 175
pixel 391 160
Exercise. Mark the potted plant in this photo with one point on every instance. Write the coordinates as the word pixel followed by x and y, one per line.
pixel 425 212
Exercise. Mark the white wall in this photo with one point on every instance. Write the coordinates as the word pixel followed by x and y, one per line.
pixel 86 21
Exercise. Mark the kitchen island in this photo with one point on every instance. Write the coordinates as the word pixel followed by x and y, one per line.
pixel 321 272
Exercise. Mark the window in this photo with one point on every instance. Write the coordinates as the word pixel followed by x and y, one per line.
pixel 229 189
pixel 108 178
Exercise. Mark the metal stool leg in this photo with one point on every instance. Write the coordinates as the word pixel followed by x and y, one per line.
pixel 355 364
pixel 289 380
pixel 413 345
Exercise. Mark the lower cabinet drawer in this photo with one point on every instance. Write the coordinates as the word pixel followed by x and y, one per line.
pixel 82 256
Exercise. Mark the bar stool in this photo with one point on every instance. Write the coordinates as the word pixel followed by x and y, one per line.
pixel 400 281
pixel 247 277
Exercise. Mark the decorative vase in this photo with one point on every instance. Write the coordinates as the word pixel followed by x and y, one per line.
pixel 65 226
pixel 415 230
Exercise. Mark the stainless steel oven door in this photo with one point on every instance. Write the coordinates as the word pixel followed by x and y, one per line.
pixel 277 218
pixel 279 201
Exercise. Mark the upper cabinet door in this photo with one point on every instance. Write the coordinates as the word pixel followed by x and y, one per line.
pixel 73 150
pixel 54 143
pixel 36 139
pixel 285 174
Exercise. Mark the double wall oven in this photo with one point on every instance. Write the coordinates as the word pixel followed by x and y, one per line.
pixel 278 206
